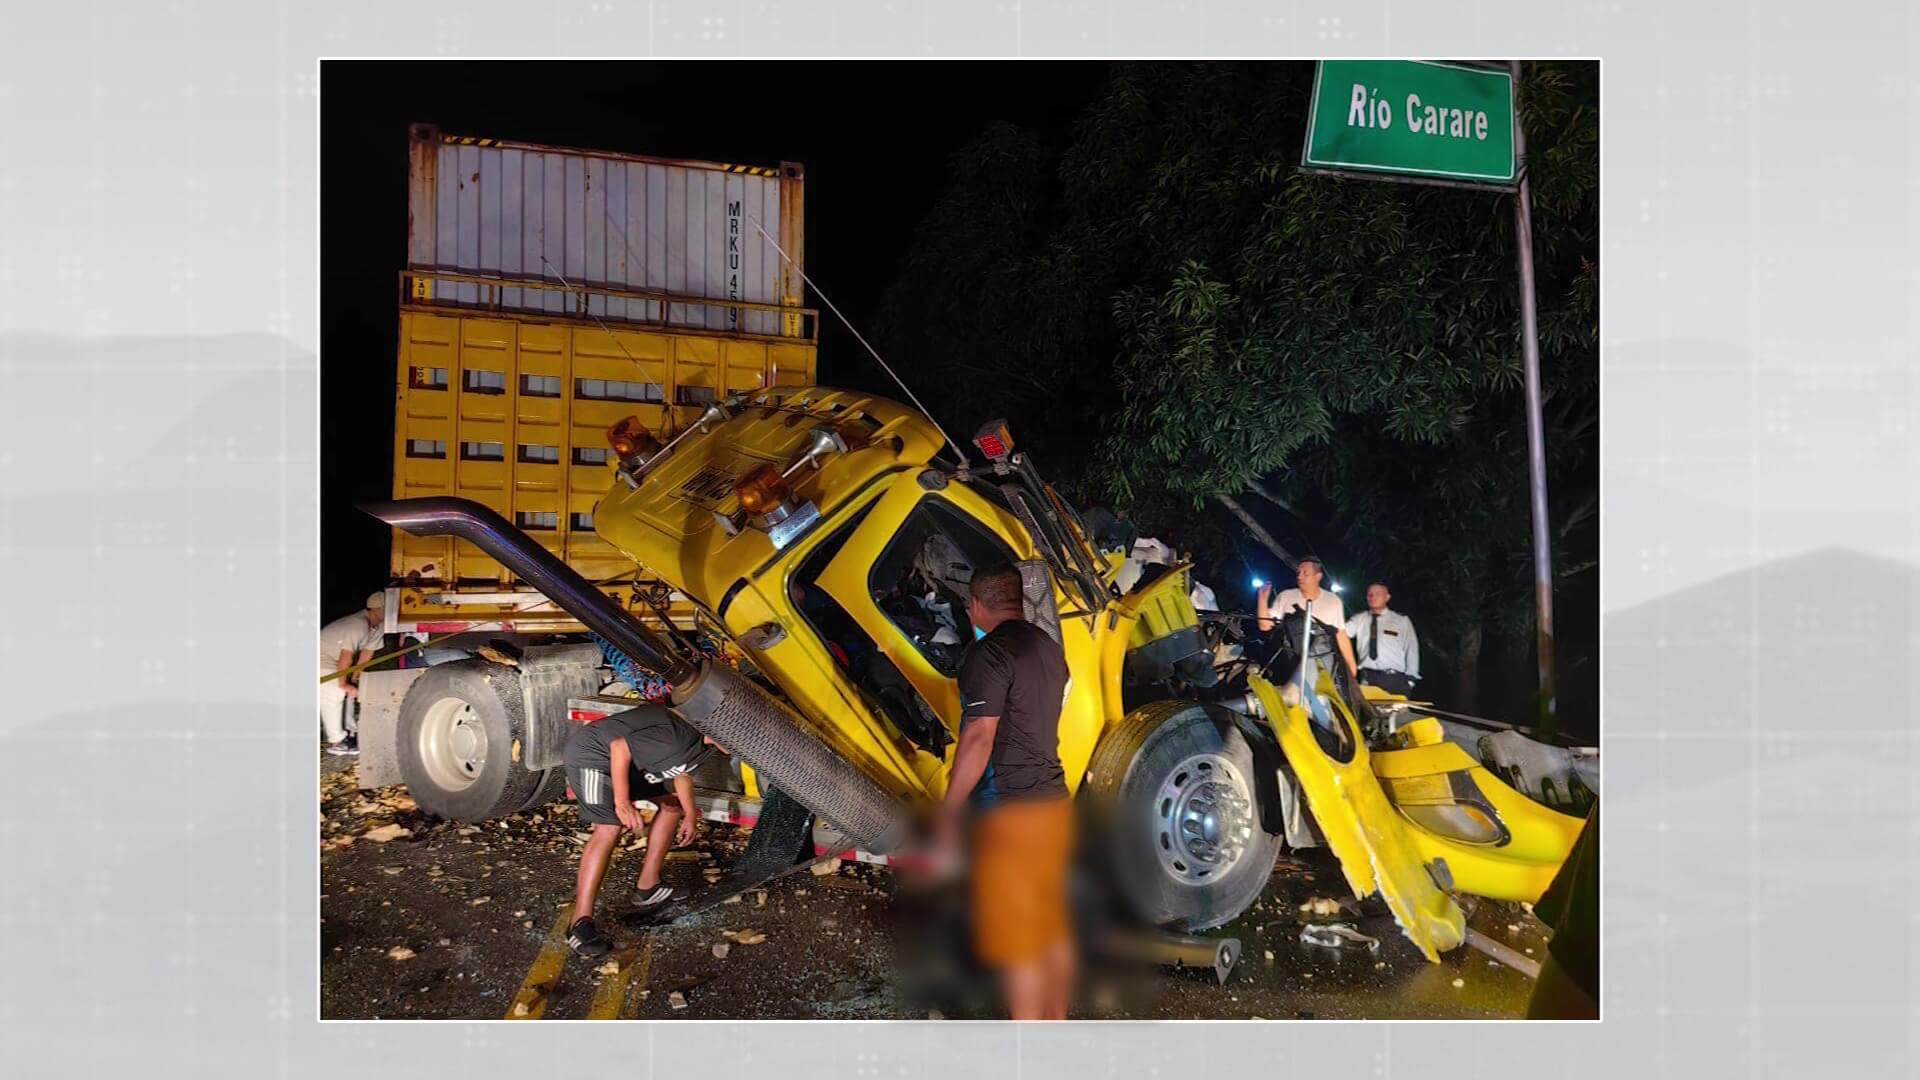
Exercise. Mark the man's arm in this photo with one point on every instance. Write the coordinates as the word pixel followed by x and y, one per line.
pixel 1346 652
pixel 1260 609
pixel 620 763
pixel 1413 652
pixel 969 762
pixel 683 791
pixel 342 663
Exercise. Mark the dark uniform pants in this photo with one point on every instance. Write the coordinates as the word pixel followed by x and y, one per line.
pixel 1393 682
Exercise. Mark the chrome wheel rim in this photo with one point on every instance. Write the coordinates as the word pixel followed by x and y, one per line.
pixel 1203 819
pixel 453 744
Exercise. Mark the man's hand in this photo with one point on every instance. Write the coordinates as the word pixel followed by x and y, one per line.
pixel 349 689
pixel 1261 597
pixel 683 833
pixel 629 816
pixel 948 846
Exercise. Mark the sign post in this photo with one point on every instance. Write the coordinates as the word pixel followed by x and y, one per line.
pixel 1447 125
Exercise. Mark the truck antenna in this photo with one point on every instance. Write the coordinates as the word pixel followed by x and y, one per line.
pixel 848 323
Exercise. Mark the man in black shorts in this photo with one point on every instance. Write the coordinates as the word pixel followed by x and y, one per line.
pixel 611 762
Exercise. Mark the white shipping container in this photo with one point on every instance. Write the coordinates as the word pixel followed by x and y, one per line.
pixel 542 223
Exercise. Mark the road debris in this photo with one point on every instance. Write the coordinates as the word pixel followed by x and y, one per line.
pixel 400 952
pixel 832 866
pixel 1321 905
pixel 721 949
pixel 386 832
pixel 478 900
pixel 677 999
pixel 611 967
pixel 744 937
pixel 1336 936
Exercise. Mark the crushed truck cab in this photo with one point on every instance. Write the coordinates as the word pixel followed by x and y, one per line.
pixel 824 541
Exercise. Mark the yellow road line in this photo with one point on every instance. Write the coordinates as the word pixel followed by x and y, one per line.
pixel 531 1002
pixel 610 999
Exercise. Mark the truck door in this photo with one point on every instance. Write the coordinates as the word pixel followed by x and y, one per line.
pixel 896 575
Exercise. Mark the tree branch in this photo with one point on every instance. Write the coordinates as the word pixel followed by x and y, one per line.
pixel 1260 489
pixel 1260 534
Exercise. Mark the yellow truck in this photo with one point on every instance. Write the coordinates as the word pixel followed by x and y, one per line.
pixel 790 562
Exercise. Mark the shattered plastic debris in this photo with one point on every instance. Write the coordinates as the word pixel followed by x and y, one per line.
pixel 478 900
pixel 677 999
pixel 400 952
pixel 611 967
pixel 1320 905
pixel 387 832
pixel 831 866
pixel 721 949
pixel 522 1009
pixel 744 937
pixel 1336 936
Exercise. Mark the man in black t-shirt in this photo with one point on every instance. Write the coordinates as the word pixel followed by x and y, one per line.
pixel 610 762
pixel 1006 771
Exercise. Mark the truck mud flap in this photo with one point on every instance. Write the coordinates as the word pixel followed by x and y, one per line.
pixel 549 675
pixel 781 843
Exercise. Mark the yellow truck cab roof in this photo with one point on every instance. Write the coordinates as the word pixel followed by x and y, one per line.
pixel 670 523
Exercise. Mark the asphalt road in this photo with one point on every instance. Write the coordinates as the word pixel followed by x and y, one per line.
pixel 447 921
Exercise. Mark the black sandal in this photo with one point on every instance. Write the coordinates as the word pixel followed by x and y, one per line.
pixel 654 897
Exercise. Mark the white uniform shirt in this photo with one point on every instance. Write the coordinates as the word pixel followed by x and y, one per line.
pixel 350 634
pixel 1399 648
pixel 1326 607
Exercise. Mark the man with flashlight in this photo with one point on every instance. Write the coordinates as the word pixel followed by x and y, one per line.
pixel 1310 597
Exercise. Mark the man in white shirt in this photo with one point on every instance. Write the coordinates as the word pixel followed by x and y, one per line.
pixel 344 643
pixel 1324 605
pixel 1384 638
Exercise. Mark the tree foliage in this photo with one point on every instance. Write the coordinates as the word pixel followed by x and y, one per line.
pixel 1170 312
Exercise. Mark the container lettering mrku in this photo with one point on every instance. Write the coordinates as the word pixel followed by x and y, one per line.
pixel 796 522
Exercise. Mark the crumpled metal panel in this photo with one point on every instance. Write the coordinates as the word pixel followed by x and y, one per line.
pixel 1373 842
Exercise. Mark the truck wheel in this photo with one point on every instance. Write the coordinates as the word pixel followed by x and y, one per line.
pixel 460 735
pixel 551 788
pixel 1171 795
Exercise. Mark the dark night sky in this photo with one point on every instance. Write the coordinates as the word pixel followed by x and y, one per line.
pixel 877 140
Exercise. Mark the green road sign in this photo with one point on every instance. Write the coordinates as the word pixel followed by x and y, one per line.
pixel 1413 117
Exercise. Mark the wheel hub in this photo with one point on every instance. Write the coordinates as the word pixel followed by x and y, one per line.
pixel 1203 819
pixel 453 744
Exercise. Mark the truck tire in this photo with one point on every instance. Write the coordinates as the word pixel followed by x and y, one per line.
pixel 551 788
pixel 460 736
pixel 1171 796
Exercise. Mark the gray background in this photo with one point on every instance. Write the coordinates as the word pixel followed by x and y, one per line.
pixel 157 532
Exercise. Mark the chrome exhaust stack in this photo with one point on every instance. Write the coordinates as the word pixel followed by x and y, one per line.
pixel 480 526
pixel 716 700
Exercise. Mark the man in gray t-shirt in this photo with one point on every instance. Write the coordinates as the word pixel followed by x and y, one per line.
pixel 347 642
